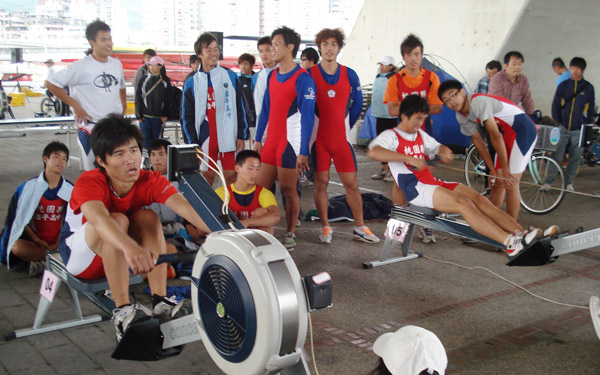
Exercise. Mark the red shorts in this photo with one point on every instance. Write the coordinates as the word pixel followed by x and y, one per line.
pixel 281 155
pixel 342 155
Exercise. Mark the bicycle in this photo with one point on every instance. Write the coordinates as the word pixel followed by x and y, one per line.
pixel 534 198
pixel 52 106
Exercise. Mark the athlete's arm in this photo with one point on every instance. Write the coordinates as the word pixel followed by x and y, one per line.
pixel 242 133
pixel 80 114
pixel 500 148
pixel 263 118
pixel 140 259
pixel 379 153
pixel 123 97
pixel 183 208
pixel 356 97
pixel 434 109
pixel 394 109
pixel 445 154
pixel 189 111
pixel 306 91
pixel 267 220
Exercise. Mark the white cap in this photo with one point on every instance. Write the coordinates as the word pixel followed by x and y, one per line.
pixel 387 60
pixel 410 350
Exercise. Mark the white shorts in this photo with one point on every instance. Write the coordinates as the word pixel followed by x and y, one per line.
pixel 517 162
pixel 81 257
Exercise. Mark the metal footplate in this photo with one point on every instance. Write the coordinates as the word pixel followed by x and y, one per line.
pixel 547 250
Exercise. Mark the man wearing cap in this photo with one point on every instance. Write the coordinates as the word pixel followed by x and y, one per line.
pixel 411 350
pixel 385 70
pixel 143 70
pixel 151 109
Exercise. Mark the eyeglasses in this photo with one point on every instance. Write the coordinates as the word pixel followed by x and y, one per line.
pixel 304 59
pixel 450 97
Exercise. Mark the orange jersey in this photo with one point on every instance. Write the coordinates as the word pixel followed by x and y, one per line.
pixel 392 93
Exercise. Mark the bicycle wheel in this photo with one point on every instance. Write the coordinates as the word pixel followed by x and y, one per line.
pixel 476 171
pixel 48 107
pixel 535 198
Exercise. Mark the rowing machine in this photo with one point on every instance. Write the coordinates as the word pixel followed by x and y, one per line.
pixel 401 228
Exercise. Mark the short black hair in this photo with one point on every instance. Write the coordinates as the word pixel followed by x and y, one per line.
pixel 54 146
pixel 409 43
pixel 150 52
pixel 290 36
pixel 448 85
pixel 310 54
pixel 494 64
pixel 158 143
pixel 578 62
pixel 203 41
pixel 193 59
pixel 510 54
pixel 243 155
pixel 413 104
pixel 264 40
pixel 247 57
pixel 558 63
pixel 111 132
pixel 92 29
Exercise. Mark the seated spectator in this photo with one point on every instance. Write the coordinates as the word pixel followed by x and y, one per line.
pixel 558 65
pixel 511 84
pixel 410 350
pixel 253 205
pixel 173 225
pixel 107 231
pixel 491 69
pixel 36 213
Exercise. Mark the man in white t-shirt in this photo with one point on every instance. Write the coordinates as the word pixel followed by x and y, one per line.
pixel 96 84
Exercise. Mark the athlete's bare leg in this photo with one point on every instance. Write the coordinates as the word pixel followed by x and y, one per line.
pixel 115 264
pixel 398 196
pixel 353 197
pixel 267 175
pixel 320 195
pixel 500 217
pixel 449 201
pixel 288 179
pixel 145 229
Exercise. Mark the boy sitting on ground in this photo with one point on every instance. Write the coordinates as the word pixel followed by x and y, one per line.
pixel 36 213
pixel 407 148
pixel 107 232
pixel 253 205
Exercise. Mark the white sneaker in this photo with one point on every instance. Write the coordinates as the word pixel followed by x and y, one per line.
pixel 570 187
pixel 326 234
pixel 37 268
pixel 551 231
pixel 364 234
pixel 170 307
pixel 520 241
pixel 545 188
pixel 379 175
pixel 388 178
pixel 427 236
pixel 289 241
pixel 124 316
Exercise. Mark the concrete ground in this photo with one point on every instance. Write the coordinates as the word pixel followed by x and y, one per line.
pixel 486 323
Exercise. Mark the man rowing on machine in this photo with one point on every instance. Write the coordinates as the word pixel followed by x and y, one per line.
pixel 406 148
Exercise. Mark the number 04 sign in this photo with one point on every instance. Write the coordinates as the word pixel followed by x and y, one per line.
pixel 49 285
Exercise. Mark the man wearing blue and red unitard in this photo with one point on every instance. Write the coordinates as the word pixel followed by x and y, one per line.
pixel 339 103
pixel 289 112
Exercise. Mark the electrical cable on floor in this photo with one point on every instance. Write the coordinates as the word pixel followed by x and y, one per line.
pixel 312 346
pixel 506 280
